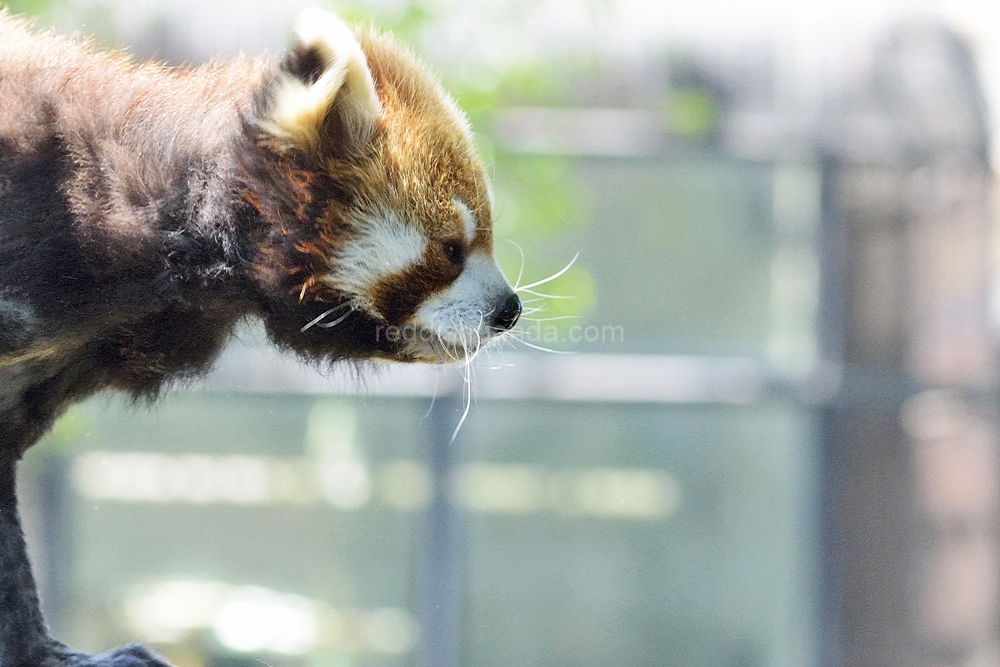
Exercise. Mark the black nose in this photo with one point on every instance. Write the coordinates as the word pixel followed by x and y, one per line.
pixel 506 316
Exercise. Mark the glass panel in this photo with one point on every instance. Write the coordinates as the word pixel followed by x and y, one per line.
pixel 226 528
pixel 221 525
pixel 679 252
pixel 640 535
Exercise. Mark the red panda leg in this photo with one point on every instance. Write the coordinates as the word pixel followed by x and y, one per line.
pixel 24 638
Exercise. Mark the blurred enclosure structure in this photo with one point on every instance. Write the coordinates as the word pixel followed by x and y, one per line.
pixel 774 445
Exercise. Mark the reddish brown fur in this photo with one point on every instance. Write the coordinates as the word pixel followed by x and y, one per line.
pixel 427 147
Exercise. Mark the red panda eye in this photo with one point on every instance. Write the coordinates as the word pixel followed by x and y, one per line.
pixel 454 252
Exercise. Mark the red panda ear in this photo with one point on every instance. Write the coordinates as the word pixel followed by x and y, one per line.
pixel 323 85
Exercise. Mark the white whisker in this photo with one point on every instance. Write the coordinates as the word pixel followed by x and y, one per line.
pixel 434 397
pixel 467 376
pixel 543 349
pixel 330 325
pixel 546 296
pixel 550 278
pixel 520 271
pixel 320 318
pixel 551 319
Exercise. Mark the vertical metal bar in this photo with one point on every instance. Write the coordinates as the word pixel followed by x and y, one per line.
pixel 832 313
pixel 439 575
pixel 52 494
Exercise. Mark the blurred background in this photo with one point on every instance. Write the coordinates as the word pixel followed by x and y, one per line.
pixel 773 441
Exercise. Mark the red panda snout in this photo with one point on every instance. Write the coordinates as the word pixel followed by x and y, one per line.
pixel 460 319
pixel 506 315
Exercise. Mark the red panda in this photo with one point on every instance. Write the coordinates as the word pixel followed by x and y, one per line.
pixel 334 194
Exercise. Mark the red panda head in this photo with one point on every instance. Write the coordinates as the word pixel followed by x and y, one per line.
pixel 383 207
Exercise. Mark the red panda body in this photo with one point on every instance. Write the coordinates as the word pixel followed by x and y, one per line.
pixel 144 211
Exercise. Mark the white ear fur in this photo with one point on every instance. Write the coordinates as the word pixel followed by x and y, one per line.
pixel 299 107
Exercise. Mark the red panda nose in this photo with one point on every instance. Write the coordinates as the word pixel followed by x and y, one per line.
pixel 506 316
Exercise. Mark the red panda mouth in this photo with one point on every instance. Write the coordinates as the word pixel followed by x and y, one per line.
pixel 347 329
pixel 424 345
pixel 458 342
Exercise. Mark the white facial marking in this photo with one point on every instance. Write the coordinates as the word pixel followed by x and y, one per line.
pixel 468 220
pixel 383 245
pixel 459 316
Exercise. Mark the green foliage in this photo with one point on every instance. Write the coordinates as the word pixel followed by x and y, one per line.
pixel 536 195
pixel 406 21
pixel 30 7
pixel 67 435
pixel 535 83
pixel 692 112
pixel 70 428
pixel 538 205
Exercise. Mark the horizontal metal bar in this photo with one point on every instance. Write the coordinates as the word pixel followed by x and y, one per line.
pixel 576 377
pixel 605 378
